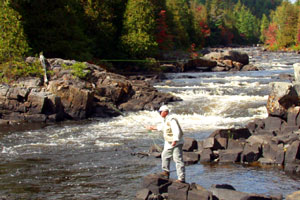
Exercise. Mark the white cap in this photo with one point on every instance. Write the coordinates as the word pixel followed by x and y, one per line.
pixel 163 108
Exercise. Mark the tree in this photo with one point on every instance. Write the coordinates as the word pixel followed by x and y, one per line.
pixel 179 21
pixel 246 23
pixel 286 23
pixel 263 27
pixel 199 23
pixel 55 27
pixel 13 42
pixel 103 23
pixel 139 24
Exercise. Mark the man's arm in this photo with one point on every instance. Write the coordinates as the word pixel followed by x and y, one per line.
pixel 175 131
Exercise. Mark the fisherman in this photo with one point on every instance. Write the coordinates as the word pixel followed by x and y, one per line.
pixel 173 137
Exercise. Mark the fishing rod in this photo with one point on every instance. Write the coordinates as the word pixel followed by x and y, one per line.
pixel 142 124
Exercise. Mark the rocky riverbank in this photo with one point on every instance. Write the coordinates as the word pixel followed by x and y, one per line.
pixel 64 96
pixel 273 141
pixel 100 94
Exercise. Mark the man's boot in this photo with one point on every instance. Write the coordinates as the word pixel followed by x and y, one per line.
pixel 165 174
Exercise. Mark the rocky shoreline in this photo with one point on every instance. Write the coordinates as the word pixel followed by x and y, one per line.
pixel 273 141
pixel 62 96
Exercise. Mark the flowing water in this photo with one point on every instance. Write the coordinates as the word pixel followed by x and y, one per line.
pixel 96 158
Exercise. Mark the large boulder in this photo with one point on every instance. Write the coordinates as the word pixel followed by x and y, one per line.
pixel 229 55
pixel 282 96
pixel 77 101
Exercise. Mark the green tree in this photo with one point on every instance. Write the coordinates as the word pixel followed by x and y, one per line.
pixel 103 23
pixel 179 21
pixel 263 27
pixel 139 24
pixel 13 43
pixel 55 27
pixel 246 24
pixel 286 23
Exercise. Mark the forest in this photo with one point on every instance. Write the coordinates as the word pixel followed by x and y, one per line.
pixel 93 30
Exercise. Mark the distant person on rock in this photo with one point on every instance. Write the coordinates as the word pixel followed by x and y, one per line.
pixel 173 137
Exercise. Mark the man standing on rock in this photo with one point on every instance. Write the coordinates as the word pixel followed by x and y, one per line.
pixel 173 137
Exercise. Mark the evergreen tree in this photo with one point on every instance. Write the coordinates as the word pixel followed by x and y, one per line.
pixel 13 43
pixel 246 23
pixel 139 27
pixel 103 22
pixel 179 21
pixel 55 27
pixel 263 27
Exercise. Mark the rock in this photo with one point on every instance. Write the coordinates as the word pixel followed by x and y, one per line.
pixel 260 139
pixel 293 196
pixel 206 156
pixel 280 99
pixel 292 167
pixel 197 192
pixel 230 155
pixel 235 144
pixel 156 184
pixel 273 153
pixel 249 67
pixel 226 194
pixel 273 124
pixel 231 133
pixel 229 55
pixel 142 194
pixel 190 158
pixel 178 191
pixel 211 143
pixel 190 144
pixel 251 153
pixel 297 72
pixel 292 115
pixel 223 186
pixel 202 64
pixel 292 152
pixel 77 102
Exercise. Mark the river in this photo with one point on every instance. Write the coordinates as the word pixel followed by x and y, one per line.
pixel 95 158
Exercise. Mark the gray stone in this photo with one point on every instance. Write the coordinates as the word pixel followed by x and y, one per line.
pixel 230 155
pixel 178 191
pixel 197 192
pixel 297 72
pixel 190 158
pixel 292 152
pixel 190 144
pixel 142 194
pixel 251 153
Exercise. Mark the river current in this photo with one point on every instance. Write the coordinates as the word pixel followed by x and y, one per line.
pixel 96 158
